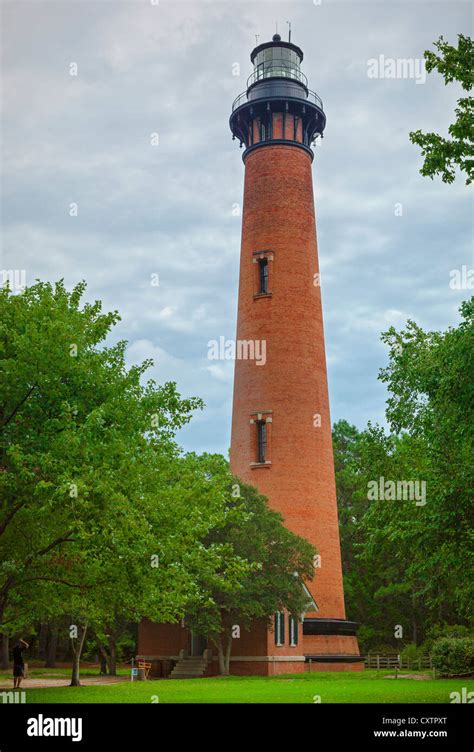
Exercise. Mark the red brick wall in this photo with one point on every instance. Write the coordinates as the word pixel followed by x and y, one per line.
pixel 341 644
pixel 161 639
pixel 266 668
pixel 253 642
pixel 278 214
pixel 277 125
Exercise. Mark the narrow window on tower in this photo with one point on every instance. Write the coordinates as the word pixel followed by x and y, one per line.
pixel 279 628
pixel 293 630
pixel 261 441
pixel 263 275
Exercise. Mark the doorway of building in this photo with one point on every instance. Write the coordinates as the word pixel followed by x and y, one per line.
pixel 198 644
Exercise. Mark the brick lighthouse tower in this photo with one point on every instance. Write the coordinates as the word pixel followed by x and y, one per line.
pixel 281 429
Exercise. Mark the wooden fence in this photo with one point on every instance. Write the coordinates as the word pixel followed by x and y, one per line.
pixel 392 660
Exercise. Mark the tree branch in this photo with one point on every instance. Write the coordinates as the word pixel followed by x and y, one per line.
pixel 61 539
pixel 64 582
pixel 22 402
pixel 10 516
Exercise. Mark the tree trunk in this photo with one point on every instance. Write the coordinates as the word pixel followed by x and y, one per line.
pixel 75 676
pixel 228 651
pixel 415 625
pixel 32 644
pixel 112 656
pixel 102 659
pixel 220 653
pixel 77 651
pixel 52 648
pixel 42 640
pixel 4 658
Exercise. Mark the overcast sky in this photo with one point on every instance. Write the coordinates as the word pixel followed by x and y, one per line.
pixel 168 67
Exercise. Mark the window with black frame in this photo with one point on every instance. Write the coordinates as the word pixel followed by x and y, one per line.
pixel 261 441
pixel 293 630
pixel 263 275
pixel 279 628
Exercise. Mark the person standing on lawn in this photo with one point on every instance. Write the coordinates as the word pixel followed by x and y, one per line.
pixel 18 662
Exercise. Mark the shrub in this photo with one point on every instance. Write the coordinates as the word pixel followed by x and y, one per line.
pixel 382 649
pixel 411 653
pixel 367 636
pixel 453 656
pixel 444 630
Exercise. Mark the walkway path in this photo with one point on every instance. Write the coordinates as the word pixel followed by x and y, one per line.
pixel 87 681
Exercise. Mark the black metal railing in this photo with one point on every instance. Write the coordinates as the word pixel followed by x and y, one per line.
pixel 312 97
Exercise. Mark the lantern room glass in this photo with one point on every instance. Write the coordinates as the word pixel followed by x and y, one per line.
pixel 277 62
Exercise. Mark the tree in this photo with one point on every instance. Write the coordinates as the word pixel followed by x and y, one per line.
pixel 429 378
pixel 442 155
pixel 86 453
pixel 254 566
pixel 404 563
pixel 4 657
pixel 374 583
pixel 390 530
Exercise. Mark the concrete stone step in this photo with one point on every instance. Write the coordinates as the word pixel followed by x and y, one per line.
pixel 192 661
pixel 191 667
pixel 194 664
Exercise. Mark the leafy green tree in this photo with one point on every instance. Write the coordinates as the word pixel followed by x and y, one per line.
pixel 376 593
pixel 87 458
pixel 429 378
pixel 442 155
pixel 405 563
pixel 390 529
pixel 255 565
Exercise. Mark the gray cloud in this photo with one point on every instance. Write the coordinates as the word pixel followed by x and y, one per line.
pixel 167 209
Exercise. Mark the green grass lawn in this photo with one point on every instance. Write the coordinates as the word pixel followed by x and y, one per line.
pixel 365 687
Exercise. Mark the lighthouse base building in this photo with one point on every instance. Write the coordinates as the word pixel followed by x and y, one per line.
pixel 316 645
pixel 281 428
